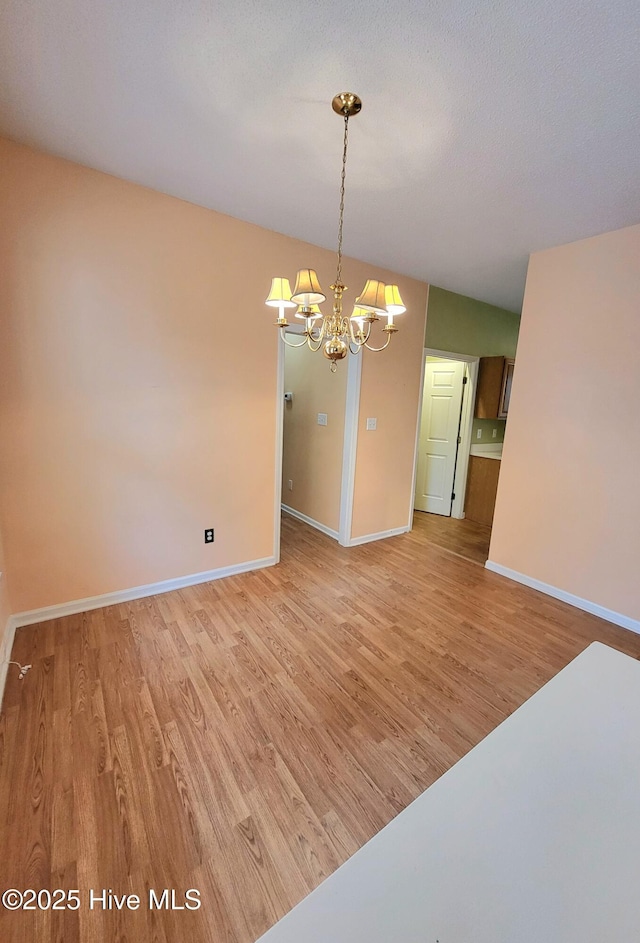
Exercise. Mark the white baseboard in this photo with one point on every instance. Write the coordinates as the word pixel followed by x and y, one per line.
pixel 626 622
pixel 137 592
pixel 309 520
pixel 369 538
pixel 6 644
pixel 34 616
pixel 353 542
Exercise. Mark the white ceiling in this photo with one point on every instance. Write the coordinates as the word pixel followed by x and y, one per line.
pixel 489 129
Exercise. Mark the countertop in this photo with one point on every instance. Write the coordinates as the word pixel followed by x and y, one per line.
pixel 487 450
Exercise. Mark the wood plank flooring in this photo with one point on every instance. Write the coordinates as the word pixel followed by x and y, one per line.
pixel 245 737
pixel 468 539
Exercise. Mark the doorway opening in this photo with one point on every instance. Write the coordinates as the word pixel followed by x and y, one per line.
pixel 442 455
pixel 316 438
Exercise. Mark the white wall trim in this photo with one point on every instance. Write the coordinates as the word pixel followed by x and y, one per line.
pixel 277 497
pixel 464 448
pixel 350 446
pixel 309 520
pixel 369 538
pixel 451 355
pixel 412 496
pixel 626 622
pixel 5 652
pixel 136 592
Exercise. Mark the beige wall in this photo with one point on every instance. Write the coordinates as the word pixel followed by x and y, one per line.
pixel 5 607
pixel 390 389
pixel 312 454
pixel 138 383
pixel 568 506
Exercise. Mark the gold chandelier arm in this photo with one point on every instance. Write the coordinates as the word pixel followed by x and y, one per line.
pixel 360 343
pixel 316 338
pixel 283 335
pixel 320 336
pixel 378 349
pixel 318 344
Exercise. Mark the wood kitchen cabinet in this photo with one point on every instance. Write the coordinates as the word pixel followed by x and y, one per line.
pixel 495 376
pixel 482 487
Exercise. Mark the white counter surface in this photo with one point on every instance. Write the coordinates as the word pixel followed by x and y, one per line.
pixel 490 450
pixel 533 836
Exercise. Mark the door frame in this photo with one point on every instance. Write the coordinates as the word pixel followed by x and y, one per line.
pixel 277 497
pixel 349 446
pixel 466 424
pixel 353 366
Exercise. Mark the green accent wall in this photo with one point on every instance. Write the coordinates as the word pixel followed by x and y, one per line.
pixel 463 325
pixel 485 427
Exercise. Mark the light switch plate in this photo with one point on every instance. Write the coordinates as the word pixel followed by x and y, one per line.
pixel 322 419
pixel 372 425
pixel 479 434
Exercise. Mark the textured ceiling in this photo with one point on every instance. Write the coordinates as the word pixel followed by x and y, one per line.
pixel 489 129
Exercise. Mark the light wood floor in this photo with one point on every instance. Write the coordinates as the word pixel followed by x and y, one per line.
pixel 246 736
pixel 466 538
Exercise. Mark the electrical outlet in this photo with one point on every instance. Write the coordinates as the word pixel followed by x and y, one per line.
pixel 208 535
pixel 291 484
pixel 494 433
pixel 322 419
pixel 372 425
pixel 479 434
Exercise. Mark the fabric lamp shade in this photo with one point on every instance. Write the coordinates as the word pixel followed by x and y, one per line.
pixel 372 298
pixel 393 301
pixel 280 294
pixel 307 290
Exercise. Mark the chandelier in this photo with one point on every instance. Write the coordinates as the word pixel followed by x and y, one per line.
pixel 336 333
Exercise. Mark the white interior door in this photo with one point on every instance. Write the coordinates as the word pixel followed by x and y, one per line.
pixel 438 440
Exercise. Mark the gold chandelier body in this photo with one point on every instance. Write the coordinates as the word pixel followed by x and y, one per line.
pixel 336 334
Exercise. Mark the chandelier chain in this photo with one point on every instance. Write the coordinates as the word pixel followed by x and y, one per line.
pixel 342 179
